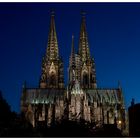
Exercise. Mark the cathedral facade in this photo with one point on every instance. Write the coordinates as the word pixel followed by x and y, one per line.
pixel 81 99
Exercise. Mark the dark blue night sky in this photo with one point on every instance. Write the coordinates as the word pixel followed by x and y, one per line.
pixel 114 39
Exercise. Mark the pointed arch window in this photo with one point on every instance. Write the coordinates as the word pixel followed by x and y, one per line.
pixel 85 79
pixel 52 79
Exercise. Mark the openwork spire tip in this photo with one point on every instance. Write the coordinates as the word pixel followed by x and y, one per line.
pixel 52 12
pixel 83 13
pixel 72 36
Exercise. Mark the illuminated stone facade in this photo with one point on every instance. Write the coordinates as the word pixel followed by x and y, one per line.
pixel 81 99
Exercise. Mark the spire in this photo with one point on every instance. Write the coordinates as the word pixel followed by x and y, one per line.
pixel 72 46
pixel 52 66
pixel 72 65
pixel 72 57
pixel 83 42
pixel 52 48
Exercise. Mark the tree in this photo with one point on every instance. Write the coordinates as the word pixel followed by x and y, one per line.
pixel 5 111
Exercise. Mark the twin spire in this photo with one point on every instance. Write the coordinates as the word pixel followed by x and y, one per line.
pixel 83 42
pixel 52 48
pixel 78 61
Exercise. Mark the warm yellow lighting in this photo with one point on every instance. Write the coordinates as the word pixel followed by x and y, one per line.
pixel 120 122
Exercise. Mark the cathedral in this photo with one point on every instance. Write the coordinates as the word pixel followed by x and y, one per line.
pixel 81 99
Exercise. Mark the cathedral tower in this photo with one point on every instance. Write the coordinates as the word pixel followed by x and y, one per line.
pixel 87 70
pixel 52 66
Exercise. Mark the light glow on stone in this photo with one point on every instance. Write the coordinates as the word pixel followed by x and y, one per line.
pixel 120 122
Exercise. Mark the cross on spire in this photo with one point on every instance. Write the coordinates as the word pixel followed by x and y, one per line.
pixel 52 12
pixel 83 13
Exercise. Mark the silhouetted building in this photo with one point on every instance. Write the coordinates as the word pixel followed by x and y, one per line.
pixel 134 119
pixel 81 99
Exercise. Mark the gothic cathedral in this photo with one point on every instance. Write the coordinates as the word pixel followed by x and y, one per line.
pixel 51 101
